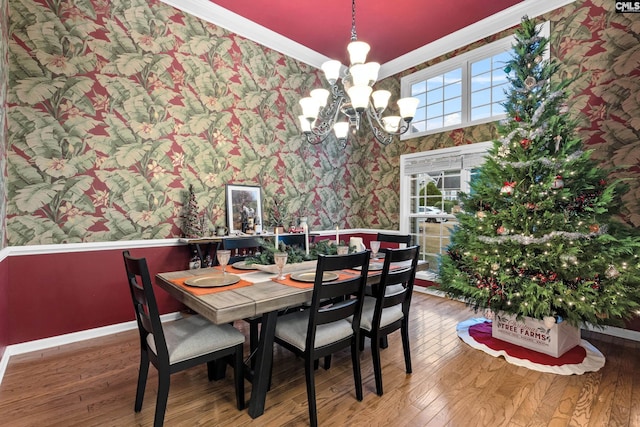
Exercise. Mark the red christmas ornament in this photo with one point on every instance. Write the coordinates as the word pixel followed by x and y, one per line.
pixel 594 228
pixel 501 230
pixel 508 188
pixel 525 143
pixel 517 118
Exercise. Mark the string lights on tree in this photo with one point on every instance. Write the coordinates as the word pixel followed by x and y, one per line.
pixel 550 247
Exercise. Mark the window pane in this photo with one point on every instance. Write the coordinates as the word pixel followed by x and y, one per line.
pixel 480 82
pixel 434 96
pixel 453 106
pixel 435 82
pixel 434 123
pixel 497 109
pixel 482 97
pixel 497 93
pixel 418 126
pixel 451 91
pixel 453 119
pixel 419 87
pixel 499 76
pixel 420 114
pixel 422 98
pixel 481 66
pixel 453 76
pixel 434 110
pixel 500 60
pixel 483 77
pixel 481 112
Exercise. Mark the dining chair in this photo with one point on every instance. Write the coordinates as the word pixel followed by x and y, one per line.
pixel 324 329
pixel 174 346
pixel 388 310
pixel 241 247
pixel 394 238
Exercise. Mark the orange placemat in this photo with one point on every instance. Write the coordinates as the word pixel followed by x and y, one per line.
pixel 234 270
pixel 307 285
pixel 205 291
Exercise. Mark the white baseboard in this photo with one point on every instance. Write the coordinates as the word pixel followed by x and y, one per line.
pixel 59 340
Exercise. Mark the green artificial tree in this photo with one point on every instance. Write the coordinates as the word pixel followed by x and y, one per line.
pixel 537 236
pixel 192 224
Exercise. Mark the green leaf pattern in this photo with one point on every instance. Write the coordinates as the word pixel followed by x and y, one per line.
pixel 114 108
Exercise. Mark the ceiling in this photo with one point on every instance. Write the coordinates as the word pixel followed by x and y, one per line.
pixel 397 30
pixel 392 27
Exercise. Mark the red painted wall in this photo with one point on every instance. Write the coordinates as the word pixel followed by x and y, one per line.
pixel 58 294
pixel 4 306
pixel 43 296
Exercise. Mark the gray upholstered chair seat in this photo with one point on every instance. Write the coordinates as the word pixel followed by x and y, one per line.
pixel 389 314
pixel 292 328
pixel 393 289
pixel 195 336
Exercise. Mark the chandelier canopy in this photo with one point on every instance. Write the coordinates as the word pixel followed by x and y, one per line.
pixel 319 118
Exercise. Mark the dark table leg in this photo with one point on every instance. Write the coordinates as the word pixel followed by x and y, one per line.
pixel 264 359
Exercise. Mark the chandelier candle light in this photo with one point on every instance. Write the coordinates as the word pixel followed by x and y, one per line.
pixel 319 118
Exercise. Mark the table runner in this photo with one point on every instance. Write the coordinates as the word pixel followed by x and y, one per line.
pixel 234 270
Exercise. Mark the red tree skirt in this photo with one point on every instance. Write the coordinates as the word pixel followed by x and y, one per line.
pixel 580 359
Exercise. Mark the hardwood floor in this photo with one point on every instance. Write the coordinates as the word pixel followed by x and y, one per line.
pixel 92 383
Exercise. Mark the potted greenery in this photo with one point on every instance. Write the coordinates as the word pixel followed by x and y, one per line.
pixel 278 213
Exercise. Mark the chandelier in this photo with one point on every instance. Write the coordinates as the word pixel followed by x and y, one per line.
pixel 319 118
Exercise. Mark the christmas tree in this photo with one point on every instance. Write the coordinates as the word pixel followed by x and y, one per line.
pixel 191 225
pixel 537 236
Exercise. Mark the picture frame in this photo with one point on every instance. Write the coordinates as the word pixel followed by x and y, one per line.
pixel 244 208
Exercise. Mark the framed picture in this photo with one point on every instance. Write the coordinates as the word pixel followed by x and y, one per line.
pixel 244 208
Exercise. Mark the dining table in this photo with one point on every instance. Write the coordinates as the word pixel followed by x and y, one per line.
pixel 257 293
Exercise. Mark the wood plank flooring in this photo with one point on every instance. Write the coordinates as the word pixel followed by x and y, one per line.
pixel 92 383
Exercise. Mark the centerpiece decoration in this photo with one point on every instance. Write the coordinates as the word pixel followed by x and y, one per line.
pixel 537 262
pixel 297 258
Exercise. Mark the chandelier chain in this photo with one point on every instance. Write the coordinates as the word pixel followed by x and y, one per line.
pixel 354 36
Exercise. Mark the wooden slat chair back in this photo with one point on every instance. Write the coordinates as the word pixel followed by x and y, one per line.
pixel 388 309
pixel 325 328
pixel 178 345
pixel 393 238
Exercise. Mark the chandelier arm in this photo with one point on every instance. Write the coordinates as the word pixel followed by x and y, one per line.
pixel 379 132
pixel 327 117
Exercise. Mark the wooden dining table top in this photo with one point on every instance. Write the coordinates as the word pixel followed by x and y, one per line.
pixel 262 296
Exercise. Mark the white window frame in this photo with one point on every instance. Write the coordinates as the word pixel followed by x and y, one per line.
pixel 463 62
pixel 422 162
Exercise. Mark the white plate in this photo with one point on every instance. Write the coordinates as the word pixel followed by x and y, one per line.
pixel 212 281
pixel 310 276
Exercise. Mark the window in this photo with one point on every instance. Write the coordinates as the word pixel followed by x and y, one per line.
pixel 430 184
pixel 466 90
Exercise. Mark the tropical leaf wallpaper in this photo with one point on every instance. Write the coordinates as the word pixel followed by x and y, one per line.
pixel 116 107
pixel 4 80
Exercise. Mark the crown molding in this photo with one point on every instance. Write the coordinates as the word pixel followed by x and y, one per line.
pixel 235 23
